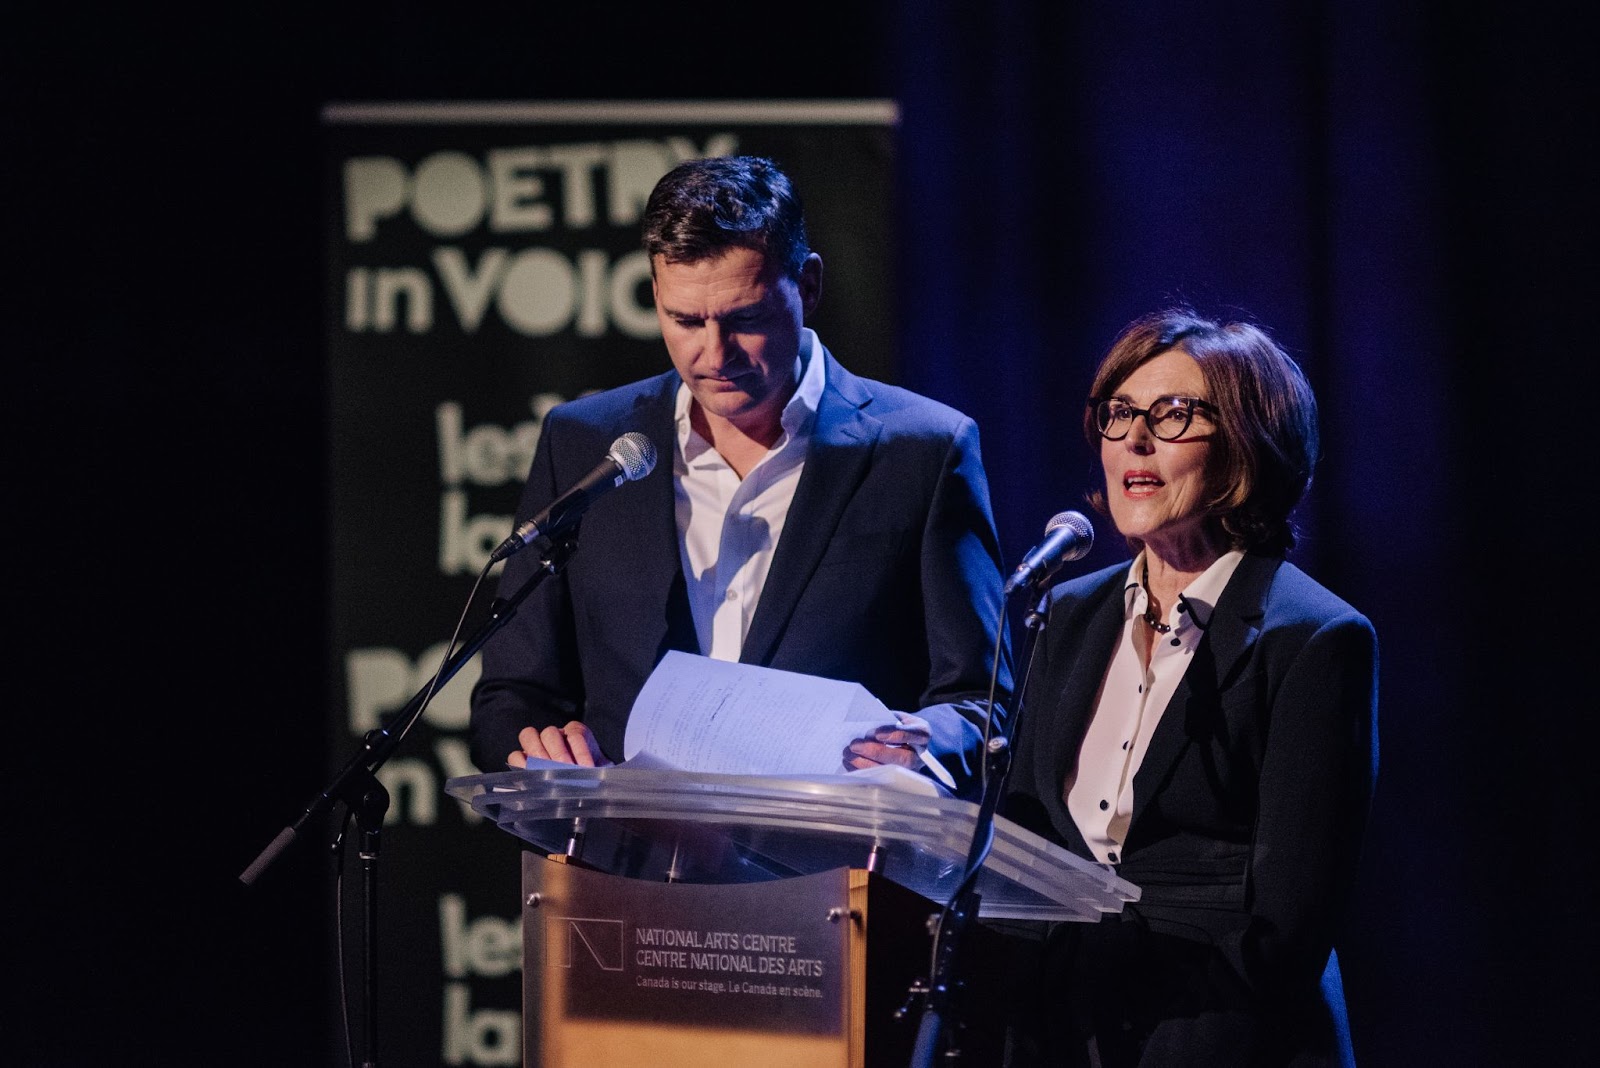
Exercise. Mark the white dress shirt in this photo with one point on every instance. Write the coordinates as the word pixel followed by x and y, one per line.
pixel 728 528
pixel 1099 792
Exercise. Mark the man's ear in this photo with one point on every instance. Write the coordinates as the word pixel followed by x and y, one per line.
pixel 810 283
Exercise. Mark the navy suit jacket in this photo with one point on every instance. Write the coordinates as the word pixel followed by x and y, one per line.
pixel 1249 809
pixel 887 572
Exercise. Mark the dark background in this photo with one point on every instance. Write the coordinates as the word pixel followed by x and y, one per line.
pixel 1401 193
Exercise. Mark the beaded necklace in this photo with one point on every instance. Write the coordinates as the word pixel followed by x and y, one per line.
pixel 1149 604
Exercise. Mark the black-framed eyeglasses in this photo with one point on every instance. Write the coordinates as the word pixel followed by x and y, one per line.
pixel 1167 417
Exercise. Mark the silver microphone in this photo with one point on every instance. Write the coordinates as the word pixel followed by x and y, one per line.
pixel 632 456
pixel 1068 536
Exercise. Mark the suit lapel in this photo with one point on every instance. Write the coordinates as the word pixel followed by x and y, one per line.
pixel 1090 641
pixel 1234 626
pixel 841 449
pixel 647 512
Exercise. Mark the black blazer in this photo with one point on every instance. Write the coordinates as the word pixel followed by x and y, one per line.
pixel 887 573
pixel 1249 808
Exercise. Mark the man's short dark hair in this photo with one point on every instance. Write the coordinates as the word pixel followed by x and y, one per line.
pixel 704 207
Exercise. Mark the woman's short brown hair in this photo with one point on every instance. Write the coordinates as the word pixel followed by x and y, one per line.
pixel 1267 443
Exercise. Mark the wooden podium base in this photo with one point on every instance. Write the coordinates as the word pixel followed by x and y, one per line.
pixel 802 972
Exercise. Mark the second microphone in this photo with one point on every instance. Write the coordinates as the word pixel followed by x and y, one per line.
pixel 1068 536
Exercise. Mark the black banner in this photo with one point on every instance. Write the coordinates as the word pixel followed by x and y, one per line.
pixel 483 265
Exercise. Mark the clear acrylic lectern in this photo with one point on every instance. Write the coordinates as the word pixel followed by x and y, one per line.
pixel 695 827
pixel 719 919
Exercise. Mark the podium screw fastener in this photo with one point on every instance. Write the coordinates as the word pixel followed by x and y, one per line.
pixel 535 900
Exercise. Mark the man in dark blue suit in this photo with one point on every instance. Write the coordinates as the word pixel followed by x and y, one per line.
pixel 811 520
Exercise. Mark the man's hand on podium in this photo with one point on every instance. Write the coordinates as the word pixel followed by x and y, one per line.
pixel 571 744
pixel 905 744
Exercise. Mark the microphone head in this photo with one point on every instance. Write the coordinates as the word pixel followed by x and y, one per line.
pixel 1082 530
pixel 635 454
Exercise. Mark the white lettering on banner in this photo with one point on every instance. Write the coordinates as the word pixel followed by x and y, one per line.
pixel 517 190
pixel 469 290
pixel 447 194
pixel 487 1036
pixel 357 299
pixel 381 680
pixel 540 293
pixel 376 298
pixel 413 792
pixel 487 454
pixel 537 292
pixel 632 318
pixel 375 187
pixel 450 193
pixel 489 945
pixel 465 543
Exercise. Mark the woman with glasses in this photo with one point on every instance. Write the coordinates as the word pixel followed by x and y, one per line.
pixel 1202 720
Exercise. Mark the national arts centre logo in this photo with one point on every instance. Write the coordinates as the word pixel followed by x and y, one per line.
pixel 585 941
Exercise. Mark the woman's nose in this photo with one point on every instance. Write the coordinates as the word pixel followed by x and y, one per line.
pixel 1141 438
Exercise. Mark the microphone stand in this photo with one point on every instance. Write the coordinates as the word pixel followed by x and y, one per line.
pixel 356 786
pixel 944 989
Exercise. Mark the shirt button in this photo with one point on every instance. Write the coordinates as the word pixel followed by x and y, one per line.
pixel 1124 745
pixel 733 595
pixel 1176 642
pixel 1112 856
pixel 1104 805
